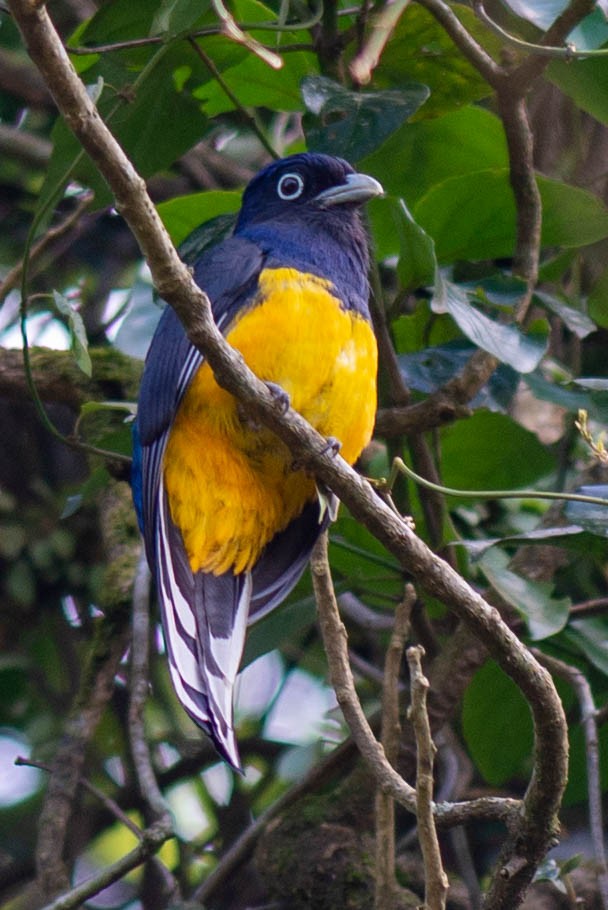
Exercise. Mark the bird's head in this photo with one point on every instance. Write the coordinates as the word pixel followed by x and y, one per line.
pixel 305 187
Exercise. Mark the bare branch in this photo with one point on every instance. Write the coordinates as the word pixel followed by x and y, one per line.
pixel 13 277
pixel 436 881
pixel 386 882
pixel 583 692
pixel 152 839
pixel 138 690
pixel 335 641
pixel 380 26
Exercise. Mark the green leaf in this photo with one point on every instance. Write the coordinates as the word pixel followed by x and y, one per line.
pixel 545 614
pixel 473 216
pixel 155 126
pixel 569 535
pixel 183 214
pixel 505 342
pixel 354 124
pixel 417 263
pixel 577 321
pixel 175 16
pixel 497 726
pixel 591 638
pixel 428 369
pixel 593 518
pixel 491 451
pixel 597 302
pixel 420 50
pixel 420 155
pixel 78 335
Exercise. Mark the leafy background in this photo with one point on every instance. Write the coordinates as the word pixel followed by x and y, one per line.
pixel 198 113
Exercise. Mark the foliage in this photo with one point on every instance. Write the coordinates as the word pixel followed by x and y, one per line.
pixel 199 107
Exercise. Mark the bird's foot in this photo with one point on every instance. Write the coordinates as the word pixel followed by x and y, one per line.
pixel 280 396
pixel 332 446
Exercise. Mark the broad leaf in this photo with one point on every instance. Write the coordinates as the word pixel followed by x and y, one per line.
pixel 497 726
pixel 505 342
pixel 421 51
pixel 429 369
pixel 491 451
pixel 577 321
pixel 175 16
pixel 473 216
pixel 420 155
pixel 545 614
pixel 590 516
pixel 354 124
pixel 585 82
pixel 591 639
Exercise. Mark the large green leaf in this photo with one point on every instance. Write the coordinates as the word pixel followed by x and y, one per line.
pixel 256 84
pixel 545 614
pixel 491 451
pixel 591 638
pixel 420 155
pixel 175 16
pixel 586 82
pixel 394 224
pixel 420 50
pixel 497 726
pixel 472 216
pixel 155 126
pixel 354 124
pixel 506 342
pixel 592 517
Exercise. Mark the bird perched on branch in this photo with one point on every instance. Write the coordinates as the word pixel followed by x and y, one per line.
pixel 229 521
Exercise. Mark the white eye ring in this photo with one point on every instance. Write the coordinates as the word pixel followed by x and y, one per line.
pixel 290 186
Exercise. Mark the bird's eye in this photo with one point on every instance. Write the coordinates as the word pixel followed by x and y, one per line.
pixel 290 186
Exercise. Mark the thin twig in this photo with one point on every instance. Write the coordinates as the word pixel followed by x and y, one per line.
pixel 250 118
pixel 13 277
pixel 232 30
pixel 584 695
pixel 381 26
pixel 335 641
pixel 436 881
pixel 110 804
pixel 386 882
pixel 152 839
pixel 138 692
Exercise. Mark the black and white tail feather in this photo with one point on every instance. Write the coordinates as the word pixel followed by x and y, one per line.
pixel 205 616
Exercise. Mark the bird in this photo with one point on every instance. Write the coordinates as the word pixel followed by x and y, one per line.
pixel 228 518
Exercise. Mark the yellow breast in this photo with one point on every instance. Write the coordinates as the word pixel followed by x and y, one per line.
pixel 231 486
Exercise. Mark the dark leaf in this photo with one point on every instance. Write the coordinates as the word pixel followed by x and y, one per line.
pixel 354 124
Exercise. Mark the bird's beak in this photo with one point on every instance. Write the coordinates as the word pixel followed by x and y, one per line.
pixel 359 188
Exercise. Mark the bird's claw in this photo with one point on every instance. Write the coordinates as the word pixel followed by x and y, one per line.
pixel 280 396
pixel 332 446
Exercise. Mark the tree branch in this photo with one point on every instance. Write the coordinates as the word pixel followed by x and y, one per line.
pixel 436 882
pixel 583 692
pixel 386 882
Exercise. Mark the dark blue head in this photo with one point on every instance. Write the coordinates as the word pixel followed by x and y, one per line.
pixel 304 211
pixel 305 186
